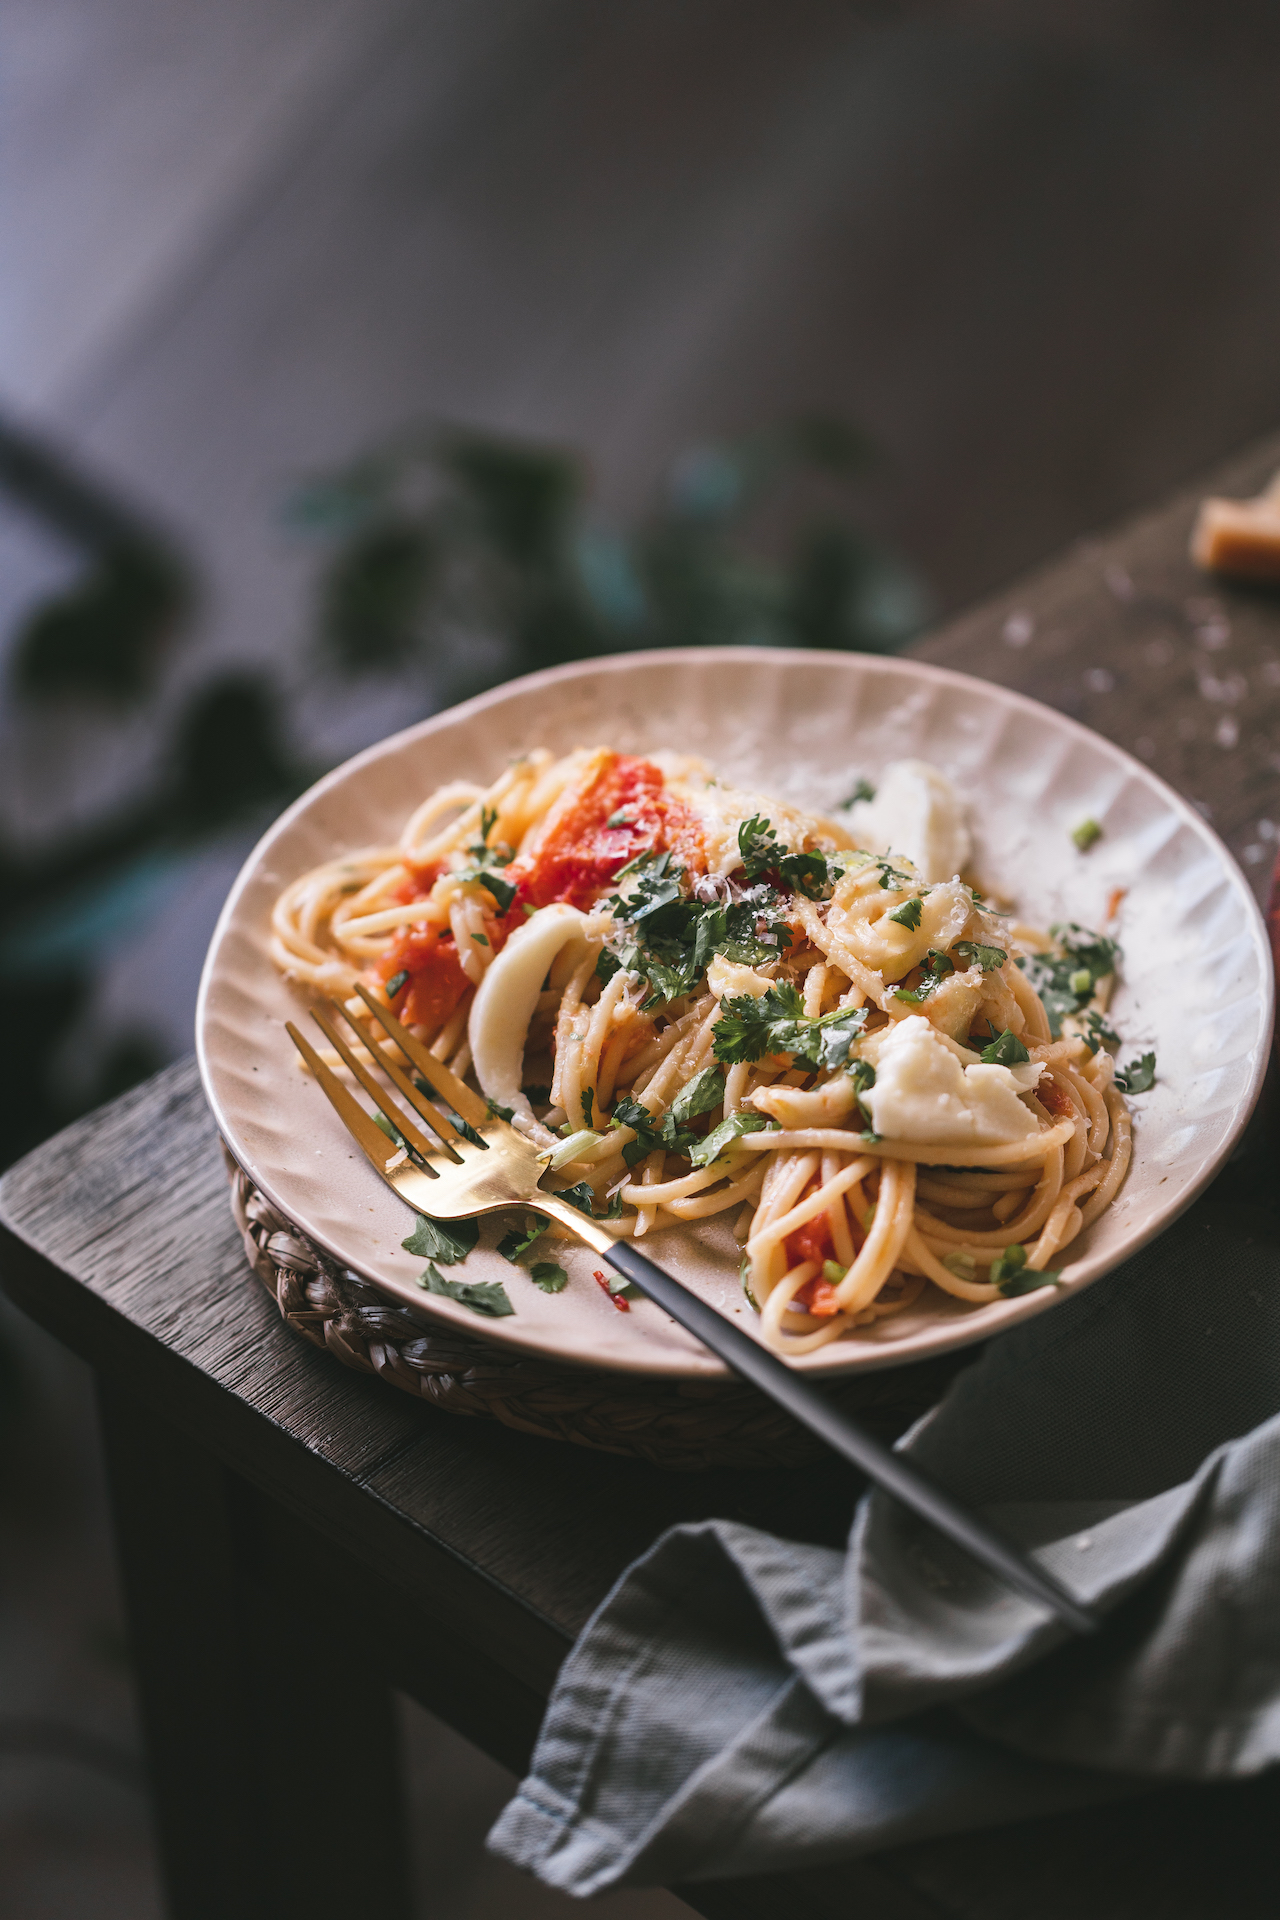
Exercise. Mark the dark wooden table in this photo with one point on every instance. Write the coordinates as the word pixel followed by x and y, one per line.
pixel 297 1540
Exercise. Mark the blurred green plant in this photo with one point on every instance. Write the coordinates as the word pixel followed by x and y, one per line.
pixel 477 558
pixel 453 557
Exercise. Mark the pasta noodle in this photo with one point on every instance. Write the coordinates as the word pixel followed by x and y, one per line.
pixel 703 1002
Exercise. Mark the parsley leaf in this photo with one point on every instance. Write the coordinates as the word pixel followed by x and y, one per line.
pixel 500 1113
pixel 863 791
pixel 1097 1033
pixel 702 1095
pixel 1065 979
pixel 758 846
pixel 650 1133
pixel 809 873
pixel 1011 1274
pixel 990 959
pixel 720 1137
pixel 588 1105
pixel 397 982
pixel 749 1028
pixel 892 877
pixel 447 1241
pixel 1139 1076
pixel 863 1075
pixel 515 1242
pixel 1006 1050
pixel 908 914
pixel 580 1197
pixel 460 1125
pixel 487 1297
pixel 488 821
pixel 607 964
pixel 934 970
pixel 549 1277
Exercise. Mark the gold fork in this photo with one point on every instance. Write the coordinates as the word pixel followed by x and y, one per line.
pixel 483 1165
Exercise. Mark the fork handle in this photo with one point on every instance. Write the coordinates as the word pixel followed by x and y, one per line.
pixel 804 1402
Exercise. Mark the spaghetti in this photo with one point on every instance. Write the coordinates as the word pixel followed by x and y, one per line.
pixel 702 1002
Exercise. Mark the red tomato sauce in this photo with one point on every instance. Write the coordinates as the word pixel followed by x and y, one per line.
pixel 579 853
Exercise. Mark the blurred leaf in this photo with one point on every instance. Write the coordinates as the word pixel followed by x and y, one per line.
pixel 374 596
pixel 104 637
pixel 525 496
pixel 229 754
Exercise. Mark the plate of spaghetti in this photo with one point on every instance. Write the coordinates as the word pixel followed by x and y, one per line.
pixel 888 1006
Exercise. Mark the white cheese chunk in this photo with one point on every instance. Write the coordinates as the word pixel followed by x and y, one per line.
pixel 507 996
pixel 926 1092
pixel 916 812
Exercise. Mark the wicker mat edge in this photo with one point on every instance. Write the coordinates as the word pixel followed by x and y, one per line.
pixel 678 1424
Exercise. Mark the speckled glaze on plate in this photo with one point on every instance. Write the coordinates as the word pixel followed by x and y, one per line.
pixel 1196 986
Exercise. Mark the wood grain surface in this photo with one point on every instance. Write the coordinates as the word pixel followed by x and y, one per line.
pixel 468 1555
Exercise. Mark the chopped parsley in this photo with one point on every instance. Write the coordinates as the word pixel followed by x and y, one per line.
pixel 488 821
pixel 990 959
pixel 1139 1076
pixel 713 1145
pixel 1066 976
pixel 1006 1050
pixel 447 1241
pixel 893 878
pixel 607 964
pixel 459 1125
pixel 588 1105
pixel 393 1133
pixel 650 1133
pixel 1097 1033
pixel 487 1297
pixel 619 819
pixel 750 1028
pixel 674 938
pixel 863 1075
pixel 1012 1276
pixel 812 874
pixel 549 1277
pixel 1085 834
pixel 500 1113
pixel 702 1095
pixel 935 968
pixel 515 1242
pixel 758 846
pixel 744 1277
pixel 397 982
pixel 908 914
pixel 863 791
pixel 580 1197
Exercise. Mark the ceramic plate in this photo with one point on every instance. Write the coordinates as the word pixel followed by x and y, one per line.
pixel 1196 984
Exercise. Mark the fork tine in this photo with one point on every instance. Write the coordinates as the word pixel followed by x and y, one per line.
pixel 432 1156
pixel 401 1081
pixel 447 1085
pixel 352 1115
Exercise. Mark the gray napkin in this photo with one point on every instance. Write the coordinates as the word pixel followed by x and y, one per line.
pixel 743 1704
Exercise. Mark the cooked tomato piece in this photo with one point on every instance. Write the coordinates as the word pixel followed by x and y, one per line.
pixel 818 1296
pixel 812 1241
pixel 436 980
pixel 1055 1099
pixel 621 808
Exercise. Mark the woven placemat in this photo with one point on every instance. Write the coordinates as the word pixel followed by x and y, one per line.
pixel 682 1424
